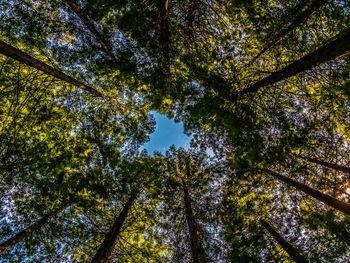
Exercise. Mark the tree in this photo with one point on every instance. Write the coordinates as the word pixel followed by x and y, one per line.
pixel 30 61
pixel 164 39
pixel 26 232
pixel 245 207
pixel 334 50
pixel 198 253
pixel 104 44
pixel 125 239
pixel 188 224
pixel 337 204
pixel 299 19
pixel 326 164
pixel 105 252
pixel 286 246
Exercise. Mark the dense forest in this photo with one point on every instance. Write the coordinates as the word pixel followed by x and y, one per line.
pixel 262 86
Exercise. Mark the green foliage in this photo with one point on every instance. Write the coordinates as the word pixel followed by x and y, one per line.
pixel 191 63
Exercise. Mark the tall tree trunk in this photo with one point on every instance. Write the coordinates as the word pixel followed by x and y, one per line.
pixel 24 58
pixel 105 251
pixel 164 35
pixel 298 20
pixel 284 244
pixel 329 200
pixel 326 164
pixel 27 232
pixel 198 253
pixel 81 14
pixel 334 50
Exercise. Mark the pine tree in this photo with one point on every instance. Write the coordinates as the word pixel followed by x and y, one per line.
pixel 26 232
pixel 30 61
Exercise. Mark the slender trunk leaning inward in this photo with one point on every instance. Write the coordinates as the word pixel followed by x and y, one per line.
pixel 89 24
pixel 297 21
pixel 24 58
pixel 6 245
pixel 327 199
pixel 334 50
pixel 106 249
pixel 326 164
pixel 198 253
pixel 291 250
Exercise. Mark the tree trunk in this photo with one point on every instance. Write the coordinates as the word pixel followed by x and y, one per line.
pixel 198 253
pixel 284 244
pixel 329 200
pixel 27 232
pixel 326 164
pixel 298 20
pixel 24 58
pixel 334 50
pixel 164 35
pixel 81 14
pixel 105 251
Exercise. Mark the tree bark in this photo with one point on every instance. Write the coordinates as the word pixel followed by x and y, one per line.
pixel 298 20
pixel 292 251
pixel 197 250
pixel 326 164
pixel 329 200
pixel 81 14
pixel 105 251
pixel 164 35
pixel 24 58
pixel 334 50
pixel 27 232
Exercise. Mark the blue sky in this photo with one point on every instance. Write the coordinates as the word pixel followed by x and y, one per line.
pixel 166 134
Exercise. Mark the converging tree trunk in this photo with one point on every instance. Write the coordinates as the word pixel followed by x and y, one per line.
pixel 334 50
pixel 164 35
pixel 326 164
pixel 298 20
pixel 89 24
pixel 291 250
pixel 105 251
pixel 329 200
pixel 197 250
pixel 29 230
pixel 24 58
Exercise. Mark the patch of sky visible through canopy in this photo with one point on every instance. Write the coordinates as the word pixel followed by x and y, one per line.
pixel 167 133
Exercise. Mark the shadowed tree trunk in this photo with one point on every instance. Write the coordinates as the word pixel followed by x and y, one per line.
pixel 329 200
pixel 24 58
pixel 326 164
pixel 198 253
pixel 334 50
pixel 298 20
pixel 164 35
pixel 283 243
pixel 81 14
pixel 105 251
pixel 29 230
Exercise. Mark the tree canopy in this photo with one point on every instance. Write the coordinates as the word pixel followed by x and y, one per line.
pixel 262 86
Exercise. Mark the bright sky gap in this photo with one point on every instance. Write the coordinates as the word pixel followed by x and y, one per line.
pixel 167 133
